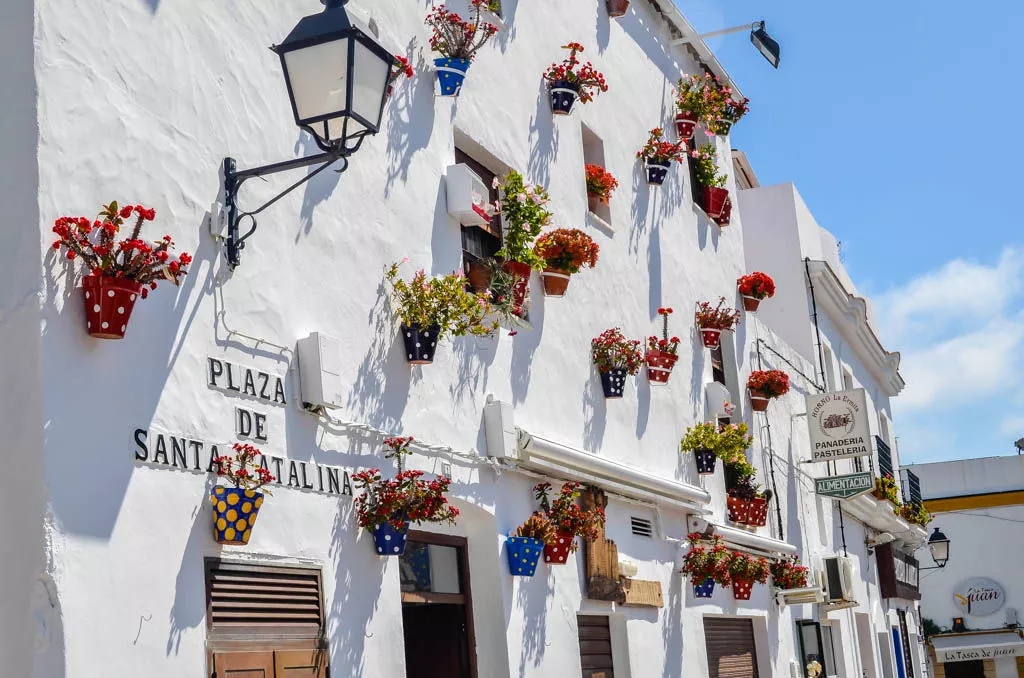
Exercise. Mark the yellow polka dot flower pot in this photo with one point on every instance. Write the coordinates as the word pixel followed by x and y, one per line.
pixel 234 514
pixel 523 555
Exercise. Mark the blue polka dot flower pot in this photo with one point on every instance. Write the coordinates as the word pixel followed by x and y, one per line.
pixel 657 171
pixel 563 96
pixel 420 343
pixel 523 555
pixel 390 541
pixel 450 75
pixel 613 383
pixel 234 514
pixel 704 590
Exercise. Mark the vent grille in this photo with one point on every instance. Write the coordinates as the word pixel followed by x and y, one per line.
pixel 642 527
pixel 265 600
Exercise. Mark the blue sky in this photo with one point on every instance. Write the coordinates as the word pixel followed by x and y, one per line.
pixel 897 121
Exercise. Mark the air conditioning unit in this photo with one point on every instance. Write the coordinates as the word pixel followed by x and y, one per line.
pixel 837 579
pixel 811 594
pixel 467 196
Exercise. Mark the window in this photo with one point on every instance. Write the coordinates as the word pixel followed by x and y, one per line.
pixel 828 368
pixel 595 646
pixel 593 154
pixel 847 379
pixel 480 242
pixel 731 648
pixel 816 645
pixel 264 621
pixel 718 375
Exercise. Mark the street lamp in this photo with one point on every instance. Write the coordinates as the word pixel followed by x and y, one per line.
pixel 337 75
pixel 938 544
pixel 765 44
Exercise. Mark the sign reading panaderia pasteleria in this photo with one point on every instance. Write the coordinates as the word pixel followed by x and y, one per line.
pixel 838 425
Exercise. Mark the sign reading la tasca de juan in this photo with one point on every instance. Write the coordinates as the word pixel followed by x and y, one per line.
pixel 838 424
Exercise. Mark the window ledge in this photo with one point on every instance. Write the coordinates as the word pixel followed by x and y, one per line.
pixel 595 220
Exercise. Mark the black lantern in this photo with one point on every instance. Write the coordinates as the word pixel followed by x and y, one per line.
pixel 764 43
pixel 938 544
pixel 337 78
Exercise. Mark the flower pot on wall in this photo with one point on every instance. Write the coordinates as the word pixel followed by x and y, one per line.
pixel 722 127
pixel 726 214
pixel 479 277
pixel 705 589
pixel 594 202
pixel 750 304
pixel 563 96
pixel 686 123
pixel 108 305
pixel 556 282
pixel 758 513
pixel 234 514
pixel 714 200
pixel 521 284
pixel 390 541
pixel 742 588
pixel 706 462
pixel 558 553
pixel 711 337
pixel 613 383
pixel 659 366
pixel 420 343
pixel 758 400
pixel 451 73
pixel 657 171
pixel 523 555
pixel 617 8
pixel 739 510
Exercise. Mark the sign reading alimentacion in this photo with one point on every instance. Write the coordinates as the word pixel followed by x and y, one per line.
pixel 838 424
pixel 845 487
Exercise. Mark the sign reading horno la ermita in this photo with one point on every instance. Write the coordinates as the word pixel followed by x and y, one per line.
pixel 838 425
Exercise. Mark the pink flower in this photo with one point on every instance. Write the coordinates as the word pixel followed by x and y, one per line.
pixel 494 182
pixel 405 260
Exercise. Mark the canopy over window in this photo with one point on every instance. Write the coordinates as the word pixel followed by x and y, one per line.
pixel 965 647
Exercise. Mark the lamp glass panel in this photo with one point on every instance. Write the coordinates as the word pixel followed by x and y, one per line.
pixel 370 78
pixel 318 77
pixel 940 551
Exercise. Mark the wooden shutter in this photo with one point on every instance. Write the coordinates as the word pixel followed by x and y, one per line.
pixel 730 645
pixel 254 600
pixel 300 664
pixel 243 664
pixel 595 646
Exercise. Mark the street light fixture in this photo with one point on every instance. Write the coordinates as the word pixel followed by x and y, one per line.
pixel 938 544
pixel 337 76
pixel 765 44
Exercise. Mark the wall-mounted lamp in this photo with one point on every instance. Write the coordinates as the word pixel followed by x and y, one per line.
pixel 337 77
pixel 765 44
pixel 938 544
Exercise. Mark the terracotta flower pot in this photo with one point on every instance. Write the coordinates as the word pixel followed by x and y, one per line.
pixel 521 284
pixel 705 589
pixel 558 553
pixel 234 514
pixel 657 172
pixel 556 282
pixel 742 588
pixel 711 336
pixel 686 123
pixel 739 510
pixel 659 366
pixel 758 514
pixel 758 400
pixel 108 305
pixel 750 304
pixel 420 343
pixel 706 462
pixel 563 96
pixel 594 202
pixel 714 200
pixel 613 383
pixel 617 8
pixel 479 277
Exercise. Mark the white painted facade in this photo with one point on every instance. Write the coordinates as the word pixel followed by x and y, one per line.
pixel 103 554
pixel 977 505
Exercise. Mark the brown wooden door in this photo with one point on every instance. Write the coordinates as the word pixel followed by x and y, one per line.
pixel 300 664
pixel 731 650
pixel 595 646
pixel 243 664
pixel 435 641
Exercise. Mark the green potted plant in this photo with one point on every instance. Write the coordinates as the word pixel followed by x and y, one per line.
pixel 744 572
pixel 457 41
pixel 706 564
pixel 615 357
pixel 658 156
pixel 526 546
pixel 886 489
pixel 729 112
pixel 702 440
pixel 525 212
pixel 235 508
pixel 570 520
pixel 711 321
pixel 766 385
pixel 565 251
pixel 697 100
pixel 716 196
pixel 432 308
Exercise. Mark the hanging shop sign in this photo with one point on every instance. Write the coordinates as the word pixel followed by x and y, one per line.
pixel 898 573
pixel 838 425
pixel 845 487
pixel 980 596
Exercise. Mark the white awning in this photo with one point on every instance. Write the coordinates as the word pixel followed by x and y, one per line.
pixel 964 647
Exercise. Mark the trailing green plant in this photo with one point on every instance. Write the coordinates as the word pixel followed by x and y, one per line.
pixel 440 300
pixel 703 436
pixel 705 166
pixel 525 210
pixel 733 442
pixel 886 489
pixel 914 513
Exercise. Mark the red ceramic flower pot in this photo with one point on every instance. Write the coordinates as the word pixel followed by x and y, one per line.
pixel 758 400
pixel 714 200
pixel 521 284
pixel 556 282
pixel 686 123
pixel 558 553
pixel 617 8
pixel 595 201
pixel 742 588
pixel 108 305
pixel 739 510
pixel 750 304
pixel 659 366
pixel 723 219
pixel 758 515
pixel 712 337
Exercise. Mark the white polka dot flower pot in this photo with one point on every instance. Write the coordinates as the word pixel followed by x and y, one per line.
pixel 613 383
pixel 420 343
pixel 742 588
pixel 389 540
pixel 557 552
pixel 523 555
pixel 234 514
pixel 108 305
